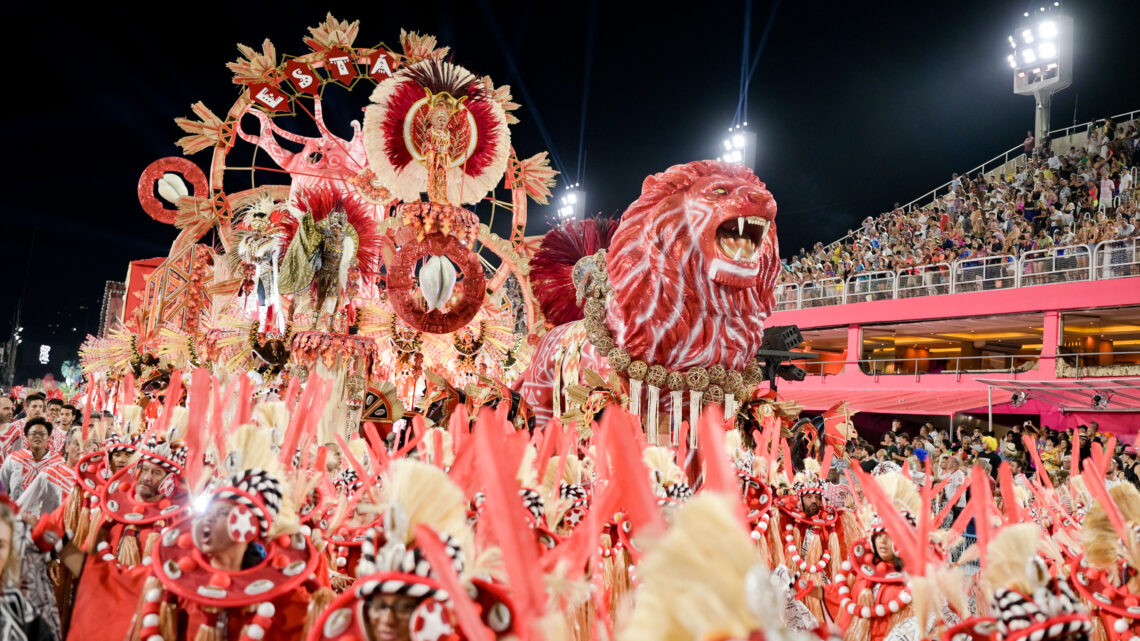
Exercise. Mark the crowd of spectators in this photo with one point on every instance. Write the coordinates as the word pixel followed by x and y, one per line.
pixel 952 456
pixel 1080 197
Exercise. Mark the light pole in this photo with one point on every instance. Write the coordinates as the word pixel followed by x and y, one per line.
pixel 1042 60
pixel 739 146
pixel 572 203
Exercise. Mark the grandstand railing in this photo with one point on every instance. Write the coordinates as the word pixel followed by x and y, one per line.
pixel 1055 265
pixel 1084 127
pixel 821 293
pixel 868 286
pixel 1106 260
pixel 787 297
pixel 983 273
pixel 923 280
pixel 1117 259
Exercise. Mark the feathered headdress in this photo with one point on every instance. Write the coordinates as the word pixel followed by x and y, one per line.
pixel 1030 603
pixel 397 135
pixel 552 270
pixel 254 479
pixel 702 581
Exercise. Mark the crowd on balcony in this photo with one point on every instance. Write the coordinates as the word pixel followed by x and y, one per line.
pixel 1080 197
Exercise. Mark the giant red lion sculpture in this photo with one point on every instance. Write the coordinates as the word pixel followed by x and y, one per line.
pixel 692 268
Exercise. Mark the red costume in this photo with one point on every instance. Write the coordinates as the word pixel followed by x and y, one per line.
pixel 268 598
pixel 111 580
pixel 869 588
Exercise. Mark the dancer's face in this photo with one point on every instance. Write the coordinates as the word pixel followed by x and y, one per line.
pixel 388 617
pixel 884 547
pixel 811 504
pixel 211 530
pixel 150 477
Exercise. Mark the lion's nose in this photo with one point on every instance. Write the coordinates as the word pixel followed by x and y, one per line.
pixel 756 200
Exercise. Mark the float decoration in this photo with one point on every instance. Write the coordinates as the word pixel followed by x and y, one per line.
pixel 362 253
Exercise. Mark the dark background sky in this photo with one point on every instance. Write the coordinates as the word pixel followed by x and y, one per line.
pixel 856 105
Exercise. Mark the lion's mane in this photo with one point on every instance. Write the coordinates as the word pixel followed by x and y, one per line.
pixel 665 308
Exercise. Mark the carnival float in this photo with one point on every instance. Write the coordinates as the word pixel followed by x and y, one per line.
pixel 362 251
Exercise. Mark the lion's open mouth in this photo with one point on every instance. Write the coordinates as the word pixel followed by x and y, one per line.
pixel 739 239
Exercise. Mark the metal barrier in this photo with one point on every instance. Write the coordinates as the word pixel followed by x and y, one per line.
pixel 1117 259
pixel 1015 154
pixel 869 286
pixel 1055 265
pixel 972 565
pixel 924 280
pixel 1071 263
pixel 828 291
pixel 984 273
pixel 1084 127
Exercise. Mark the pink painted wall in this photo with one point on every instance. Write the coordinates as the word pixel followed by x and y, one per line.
pixel 1062 297
pixel 1050 300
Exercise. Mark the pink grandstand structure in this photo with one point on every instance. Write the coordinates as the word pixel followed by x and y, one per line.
pixel 1044 331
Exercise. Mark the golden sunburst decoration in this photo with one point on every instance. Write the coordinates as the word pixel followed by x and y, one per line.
pixel 502 95
pixel 332 34
pixel 532 174
pixel 206 132
pixel 421 47
pixel 254 66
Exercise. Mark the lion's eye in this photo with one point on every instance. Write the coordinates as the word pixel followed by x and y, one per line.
pixel 720 191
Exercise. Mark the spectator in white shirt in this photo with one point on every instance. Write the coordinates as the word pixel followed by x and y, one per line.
pixel 956 479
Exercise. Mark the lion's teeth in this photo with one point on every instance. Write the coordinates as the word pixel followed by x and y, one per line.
pixel 739 225
pixel 737 256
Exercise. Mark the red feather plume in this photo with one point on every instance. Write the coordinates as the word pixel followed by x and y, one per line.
pixel 504 516
pixel 467 613
pixel 1009 500
pixel 629 471
pixel 1031 447
pixel 198 406
pixel 905 536
pixel 551 267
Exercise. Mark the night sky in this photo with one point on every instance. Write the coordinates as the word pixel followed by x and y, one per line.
pixel 856 106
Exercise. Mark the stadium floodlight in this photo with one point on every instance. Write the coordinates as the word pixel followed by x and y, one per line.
pixel 740 147
pixel 1044 37
pixel 572 203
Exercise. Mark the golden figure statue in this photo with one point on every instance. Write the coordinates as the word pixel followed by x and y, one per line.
pixel 439 143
